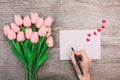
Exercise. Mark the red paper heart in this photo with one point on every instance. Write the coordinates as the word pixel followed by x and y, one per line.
pixel 95 33
pixel 103 21
pixel 87 39
pixel 98 30
pixel 103 27
pixel 89 35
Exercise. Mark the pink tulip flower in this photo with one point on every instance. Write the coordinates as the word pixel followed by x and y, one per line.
pixel 48 32
pixel 11 35
pixel 34 38
pixel 48 21
pixel 20 36
pixel 50 42
pixel 43 31
pixel 28 33
pixel 39 22
pixel 27 21
pixel 18 20
pixel 6 29
pixel 34 17
pixel 14 27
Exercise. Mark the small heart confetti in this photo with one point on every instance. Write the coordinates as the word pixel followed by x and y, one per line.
pixel 103 27
pixel 98 30
pixel 87 39
pixel 95 33
pixel 103 21
pixel 89 35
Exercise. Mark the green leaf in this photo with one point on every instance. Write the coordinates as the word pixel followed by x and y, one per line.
pixel 26 42
pixel 27 50
pixel 16 51
pixel 33 55
pixel 23 29
pixel 42 54
pixel 41 41
pixel 18 47
pixel 34 28
pixel 30 45
pixel 40 61
pixel 43 50
pixel 18 55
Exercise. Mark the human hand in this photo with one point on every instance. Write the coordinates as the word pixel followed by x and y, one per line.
pixel 85 64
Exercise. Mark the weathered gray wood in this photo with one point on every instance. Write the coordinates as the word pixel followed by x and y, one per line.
pixel 68 14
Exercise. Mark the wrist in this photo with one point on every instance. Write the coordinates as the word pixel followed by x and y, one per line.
pixel 88 76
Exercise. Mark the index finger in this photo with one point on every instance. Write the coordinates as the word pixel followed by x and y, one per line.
pixel 75 65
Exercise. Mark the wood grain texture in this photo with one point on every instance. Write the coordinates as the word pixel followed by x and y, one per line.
pixel 68 14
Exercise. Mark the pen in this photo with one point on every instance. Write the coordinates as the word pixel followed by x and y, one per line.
pixel 78 58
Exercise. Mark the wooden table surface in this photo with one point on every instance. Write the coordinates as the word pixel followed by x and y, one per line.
pixel 68 14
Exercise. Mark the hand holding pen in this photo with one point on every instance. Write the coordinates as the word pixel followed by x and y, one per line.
pixel 84 64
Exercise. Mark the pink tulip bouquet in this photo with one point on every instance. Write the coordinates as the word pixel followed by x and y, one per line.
pixel 29 39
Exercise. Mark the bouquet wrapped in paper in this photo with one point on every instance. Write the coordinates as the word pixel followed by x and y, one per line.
pixel 29 39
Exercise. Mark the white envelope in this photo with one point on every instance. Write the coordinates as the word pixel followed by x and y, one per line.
pixel 77 39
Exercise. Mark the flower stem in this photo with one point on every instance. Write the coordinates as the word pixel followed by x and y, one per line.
pixel 31 75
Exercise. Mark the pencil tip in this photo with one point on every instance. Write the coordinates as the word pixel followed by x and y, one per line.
pixel 72 48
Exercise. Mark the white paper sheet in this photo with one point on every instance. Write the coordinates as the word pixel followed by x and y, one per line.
pixel 77 39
